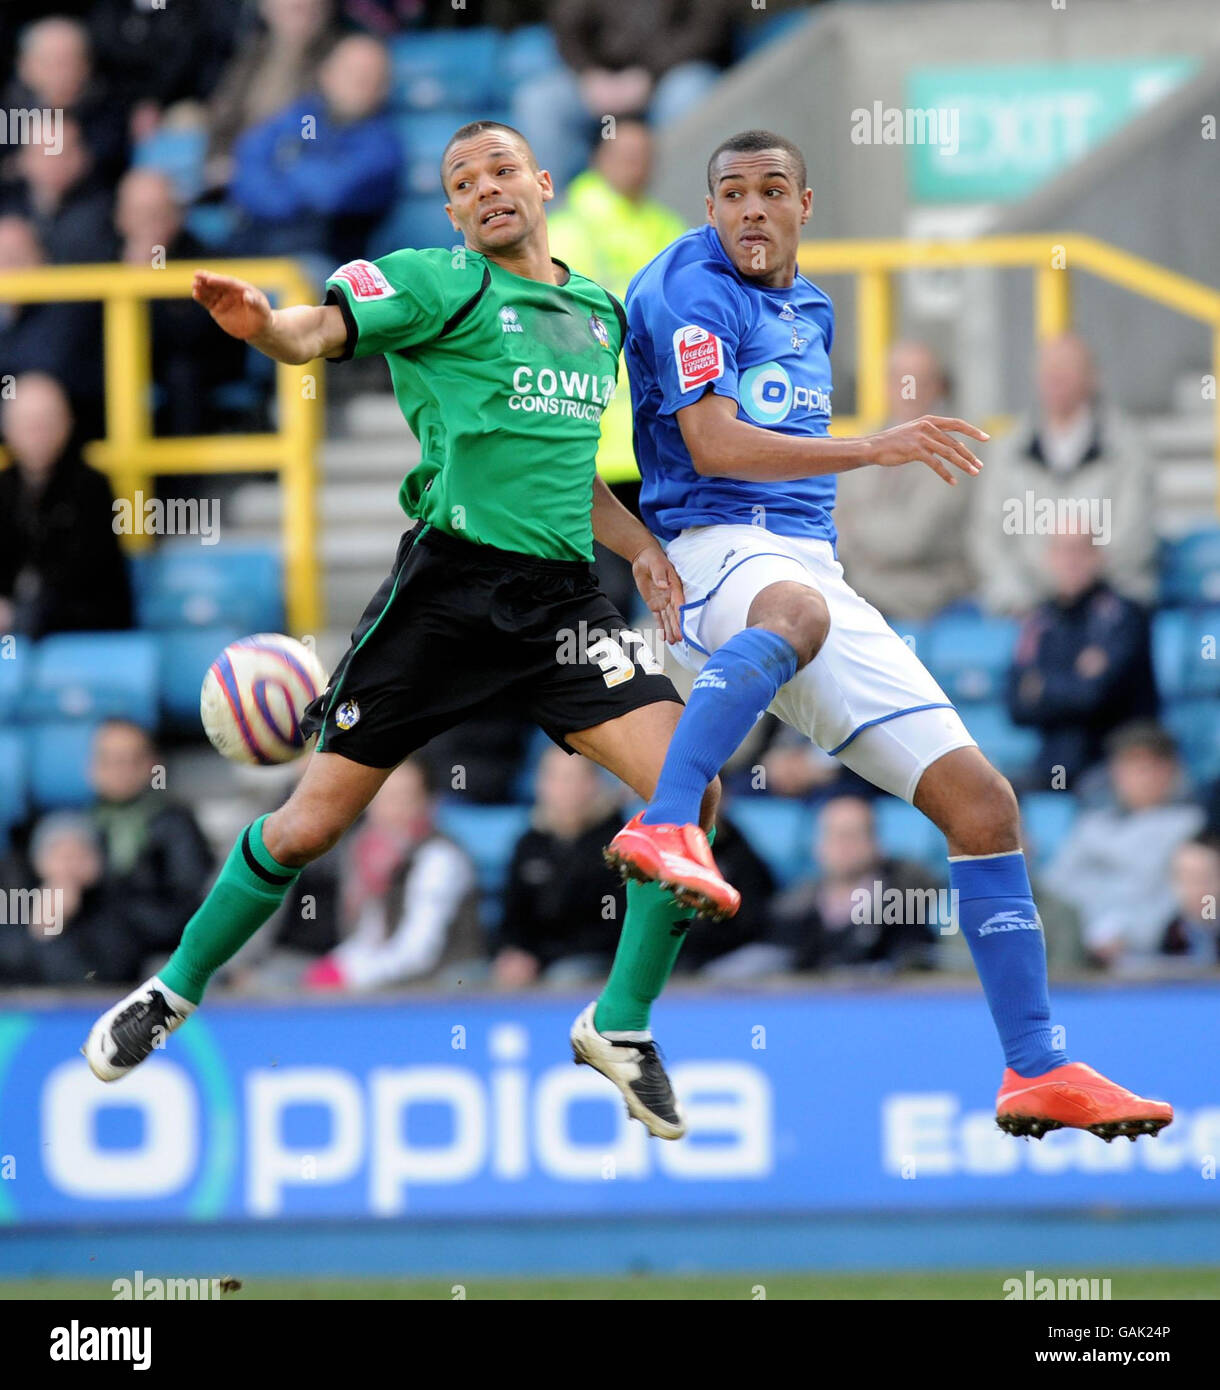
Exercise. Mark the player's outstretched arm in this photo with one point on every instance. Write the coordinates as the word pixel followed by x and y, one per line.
pixel 295 335
pixel 721 445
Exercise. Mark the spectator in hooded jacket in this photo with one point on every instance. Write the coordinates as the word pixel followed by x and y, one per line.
pixel 1192 934
pixel 156 859
pixel 1114 866
pixel 318 176
pixel 1083 665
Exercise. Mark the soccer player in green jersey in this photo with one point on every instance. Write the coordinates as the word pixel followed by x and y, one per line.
pixel 502 360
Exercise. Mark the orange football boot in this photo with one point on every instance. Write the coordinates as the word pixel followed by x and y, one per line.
pixel 679 858
pixel 1076 1097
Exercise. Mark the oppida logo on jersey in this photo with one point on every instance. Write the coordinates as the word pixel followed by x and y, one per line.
pixel 699 355
pixel 768 395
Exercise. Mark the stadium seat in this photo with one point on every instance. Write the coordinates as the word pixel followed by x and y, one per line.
pixel 14 671
pixel 1010 748
pixel 14 790
pixel 1200 654
pixel 907 833
pixel 180 153
pixel 92 676
pixel 1169 636
pixel 970 656
pixel 525 54
pixel 1047 818
pixel 1195 725
pixel 780 831
pixel 190 585
pixel 487 833
pixel 414 222
pixel 58 762
pixel 523 782
pixel 1190 568
pixel 448 67
pixel 184 660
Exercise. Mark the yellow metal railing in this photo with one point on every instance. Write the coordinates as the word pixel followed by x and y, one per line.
pixel 1052 258
pixel 133 456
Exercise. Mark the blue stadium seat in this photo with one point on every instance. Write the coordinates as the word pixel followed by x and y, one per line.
pixel 525 54
pixel 1047 818
pixel 14 789
pixel 180 153
pixel 487 833
pixel 185 658
pixel 1190 568
pixel 1011 749
pixel 749 38
pixel 185 584
pixel 1201 652
pixel 780 830
pixel 523 782
pixel 14 672
pixel 414 222
pixel 58 762
pixel 92 676
pixel 447 67
pixel 907 833
pixel 1195 725
pixel 1169 636
pixel 970 656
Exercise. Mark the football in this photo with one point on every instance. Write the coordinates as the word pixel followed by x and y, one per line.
pixel 254 696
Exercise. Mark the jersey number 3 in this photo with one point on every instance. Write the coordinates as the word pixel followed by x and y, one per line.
pixel 616 666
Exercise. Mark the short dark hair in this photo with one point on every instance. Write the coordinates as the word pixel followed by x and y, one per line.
pixel 1145 736
pixel 753 142
pixel 473 128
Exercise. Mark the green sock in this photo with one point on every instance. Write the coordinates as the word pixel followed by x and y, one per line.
pixel 250 887
pixel 648 948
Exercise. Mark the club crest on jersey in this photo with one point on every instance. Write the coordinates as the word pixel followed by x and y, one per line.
pixel 347 716
pixel 364 280
pixel 699 355
pixel 598 329
pixel 509 322
pixel 797 341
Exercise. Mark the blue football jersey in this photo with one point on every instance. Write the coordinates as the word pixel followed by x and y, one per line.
pixel 693 322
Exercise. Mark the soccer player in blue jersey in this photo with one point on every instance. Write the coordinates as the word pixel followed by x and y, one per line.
pixel 728 352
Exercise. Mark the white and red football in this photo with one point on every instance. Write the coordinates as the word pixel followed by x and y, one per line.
pixel 254 696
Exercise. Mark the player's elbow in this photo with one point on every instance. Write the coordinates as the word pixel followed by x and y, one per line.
pixel 707 458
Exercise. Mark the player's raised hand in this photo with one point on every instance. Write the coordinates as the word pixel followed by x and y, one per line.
pixel 929 439
pixel 660 588
pixel 239 308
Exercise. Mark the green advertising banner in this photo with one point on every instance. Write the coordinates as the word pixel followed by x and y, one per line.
pixel 1000 131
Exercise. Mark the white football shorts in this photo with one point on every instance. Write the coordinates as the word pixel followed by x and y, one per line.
pixel 866 697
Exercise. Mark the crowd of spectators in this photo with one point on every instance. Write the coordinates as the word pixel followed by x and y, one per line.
pixel 289 97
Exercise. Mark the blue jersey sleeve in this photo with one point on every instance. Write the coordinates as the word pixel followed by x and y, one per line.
pixel 692 323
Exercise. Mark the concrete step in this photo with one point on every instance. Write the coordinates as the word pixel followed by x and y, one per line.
pixel 1180 434
pixel 374 414
pixel 339 503
pixel 370 459
pixel 1186 394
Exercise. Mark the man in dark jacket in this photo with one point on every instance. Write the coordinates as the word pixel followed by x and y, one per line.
pixel 562 907
pixel 157 860
pixel 60 192
pixel 1083 665
pixel 61 568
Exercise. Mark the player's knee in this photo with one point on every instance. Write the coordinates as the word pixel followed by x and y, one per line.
pixel 989 820
pixel 803 622
pixel 296 835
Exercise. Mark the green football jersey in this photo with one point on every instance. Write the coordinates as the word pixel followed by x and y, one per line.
pixel 503 381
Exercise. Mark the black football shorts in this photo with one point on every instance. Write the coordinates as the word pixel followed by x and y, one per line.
pixel 458 630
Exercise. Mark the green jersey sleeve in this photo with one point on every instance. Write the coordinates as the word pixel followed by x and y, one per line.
pixel 401 300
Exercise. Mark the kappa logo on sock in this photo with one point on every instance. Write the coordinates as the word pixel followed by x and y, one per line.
pixel 711 679
pixel 1012 920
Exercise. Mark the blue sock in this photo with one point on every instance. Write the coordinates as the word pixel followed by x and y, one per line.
pixel 739 682
pixel 995 909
